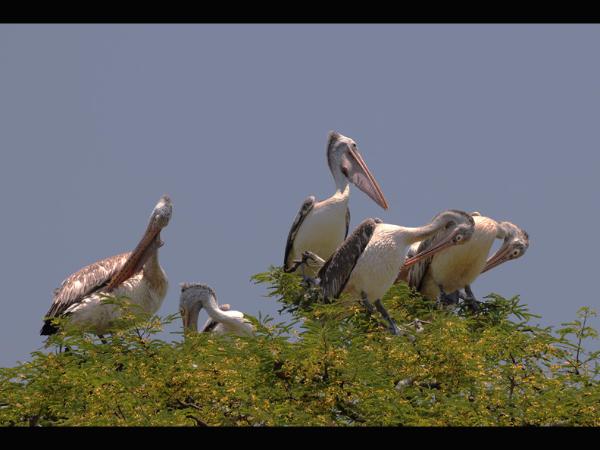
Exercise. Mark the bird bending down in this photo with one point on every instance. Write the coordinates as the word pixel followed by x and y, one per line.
pixel 136 275
pixel 222 320
pixel 368 261
pixel 320 227
pixel 443 276
pixel 516 243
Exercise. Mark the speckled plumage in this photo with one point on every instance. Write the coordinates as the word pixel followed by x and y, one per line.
pixel 136 275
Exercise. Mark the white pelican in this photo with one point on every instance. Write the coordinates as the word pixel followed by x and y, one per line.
pixel 367 263
pixel 195 296
pixel 321 227
pixel 136 275
pixel 444 274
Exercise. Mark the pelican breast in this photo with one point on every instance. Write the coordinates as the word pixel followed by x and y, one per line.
pixel 460 265
pixel 378 266
pixel 323 229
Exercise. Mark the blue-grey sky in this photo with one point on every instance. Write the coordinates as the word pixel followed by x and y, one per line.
pixel 98 121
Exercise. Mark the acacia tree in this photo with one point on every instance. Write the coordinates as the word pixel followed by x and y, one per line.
pixel 333 364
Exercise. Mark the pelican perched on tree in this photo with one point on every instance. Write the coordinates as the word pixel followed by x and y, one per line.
pixel 444 275
pixel 195 296
pixel 368 261
pixel 136 275
pixel 320 227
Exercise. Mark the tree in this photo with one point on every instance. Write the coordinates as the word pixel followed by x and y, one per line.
pixel 332 365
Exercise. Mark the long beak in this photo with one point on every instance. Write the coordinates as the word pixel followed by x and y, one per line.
pixel 427 253
pixel 498 258
pixel 360 175
pixel 402 275
pixel 190 320
pixel 150 241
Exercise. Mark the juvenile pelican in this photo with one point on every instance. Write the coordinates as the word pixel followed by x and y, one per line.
pixel 446 273
pixel 367 263
pixel 321 227
pixel 136 275
pixel 195 296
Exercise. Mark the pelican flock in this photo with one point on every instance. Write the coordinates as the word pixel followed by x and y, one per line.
pixel 438 259
pixel 320 227
pixel 443 276
pixel 136 275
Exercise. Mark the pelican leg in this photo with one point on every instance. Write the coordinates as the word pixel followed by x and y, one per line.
pixel 367 304
pixel 447 299
pixel 294 266
pixel 393 327
pixel 303 263
pixel 470 299
pixel 306 257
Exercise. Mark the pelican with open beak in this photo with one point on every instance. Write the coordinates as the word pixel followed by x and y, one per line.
pixel 136 275
pixel 320 227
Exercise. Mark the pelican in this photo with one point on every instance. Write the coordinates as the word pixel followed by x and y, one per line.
pixel 136 275
pixel 443 275
pixel 222 320
pixel 368 261
pixel 516 243
pixel 320 227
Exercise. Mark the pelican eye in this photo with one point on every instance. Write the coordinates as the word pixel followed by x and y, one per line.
pixel 515 253
pixel 458 238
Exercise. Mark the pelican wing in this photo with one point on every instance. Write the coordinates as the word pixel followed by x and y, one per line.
pixel 209 326
pixel 306 207
pixel 337 269
pixel 85 282
pixel 347 222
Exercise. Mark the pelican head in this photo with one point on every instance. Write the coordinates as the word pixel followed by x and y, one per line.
pixel 516 243
pixel 161 215
pixel 150 242
pixel 194 297
pixel 457 228
pixel 347 166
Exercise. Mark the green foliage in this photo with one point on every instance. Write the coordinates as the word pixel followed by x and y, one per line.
pixel 332 365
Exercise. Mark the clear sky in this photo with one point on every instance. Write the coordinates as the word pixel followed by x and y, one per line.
pixel 98 121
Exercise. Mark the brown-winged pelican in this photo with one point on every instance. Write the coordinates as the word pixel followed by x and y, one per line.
pixel 368 261
pixel 320 227
pixel 222 320
pixel 136 275
pixel 443 275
